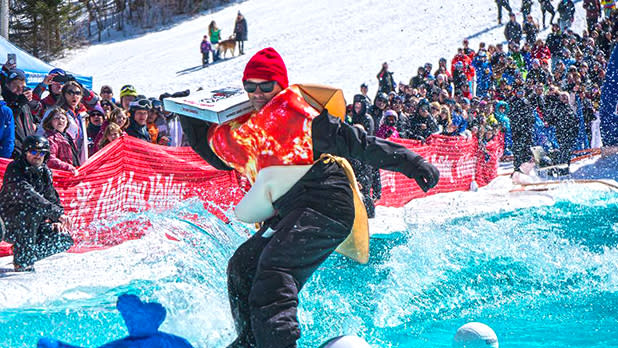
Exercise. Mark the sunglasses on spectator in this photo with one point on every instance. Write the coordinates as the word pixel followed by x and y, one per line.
pixel 37 153
pixel 265 87
pixel 96 114
pixel 74 92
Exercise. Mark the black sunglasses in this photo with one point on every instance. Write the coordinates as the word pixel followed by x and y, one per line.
pixel 265 87
pixel 74 92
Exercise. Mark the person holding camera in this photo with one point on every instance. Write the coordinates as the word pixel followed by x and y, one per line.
pixel 53 83
pixel 32 216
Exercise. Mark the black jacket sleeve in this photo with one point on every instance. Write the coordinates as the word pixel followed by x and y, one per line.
pixel 22 192
pixel 332 136
pixel 196 131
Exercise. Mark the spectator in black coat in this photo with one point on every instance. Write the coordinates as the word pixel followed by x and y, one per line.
pixel 560 115
pixel 139 119
pixel 554 43
pixel 360 116
pixel 16 96
pixel 566 9
pixel 240 32
pixel 526 7
pixel 377 109
pixel 546 6
pixel 385 80
pixel 522 128
pixel 501 4
pixel 512 30
pixel 422 123
pixel 530 29
pixel 593 13
pixel 30 208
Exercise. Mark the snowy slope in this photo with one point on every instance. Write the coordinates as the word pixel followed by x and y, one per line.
pixel 340 43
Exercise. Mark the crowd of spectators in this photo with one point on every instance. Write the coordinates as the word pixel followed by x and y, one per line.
pixel 519 87
pixel 537 92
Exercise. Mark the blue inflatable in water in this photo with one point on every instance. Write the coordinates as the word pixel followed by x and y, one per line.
pixel 142 320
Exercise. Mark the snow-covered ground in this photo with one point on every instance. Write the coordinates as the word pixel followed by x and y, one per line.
pixel 340 43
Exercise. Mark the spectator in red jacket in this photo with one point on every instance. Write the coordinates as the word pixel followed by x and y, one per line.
pixel 62 150
pixel 540 51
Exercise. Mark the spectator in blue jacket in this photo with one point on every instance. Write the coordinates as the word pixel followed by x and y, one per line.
pixel 484 73
pixel 7 131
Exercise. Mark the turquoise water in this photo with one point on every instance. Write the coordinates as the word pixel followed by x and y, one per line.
pixel 540 277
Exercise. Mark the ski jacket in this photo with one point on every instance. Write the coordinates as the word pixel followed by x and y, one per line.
pixel 22 116
pixel 513 31
pixel 566 9
pixel 137 131
pixel 62 151
pixel 240 30
pixel 7 131
pixel 28 187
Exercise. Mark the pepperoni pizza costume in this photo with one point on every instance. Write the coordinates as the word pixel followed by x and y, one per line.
pixel 314 217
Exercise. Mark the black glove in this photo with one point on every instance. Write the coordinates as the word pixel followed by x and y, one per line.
pixel 426 175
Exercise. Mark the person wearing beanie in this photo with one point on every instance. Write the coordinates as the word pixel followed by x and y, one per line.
pixel 128 94
pixel 304 194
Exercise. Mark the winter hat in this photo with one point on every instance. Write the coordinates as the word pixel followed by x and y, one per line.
pixel 268 65
pixel 16 74
pixel 359 98
pixel 97 108
pixel 128 90
pixel 388 113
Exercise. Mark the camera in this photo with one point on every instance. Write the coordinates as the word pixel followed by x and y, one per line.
pixel 63 78
pixel 12 58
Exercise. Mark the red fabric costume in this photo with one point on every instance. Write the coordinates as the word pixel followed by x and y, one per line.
pixel 279 134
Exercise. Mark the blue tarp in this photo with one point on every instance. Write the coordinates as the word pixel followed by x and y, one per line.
pixel 35 69
pixel 609 103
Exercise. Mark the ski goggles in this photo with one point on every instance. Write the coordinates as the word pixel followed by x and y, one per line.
pixel 143 104
pixel 37 152
pixel 265 87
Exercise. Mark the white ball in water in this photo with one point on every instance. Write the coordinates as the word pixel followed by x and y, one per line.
pixel 346 342
pixel 475 335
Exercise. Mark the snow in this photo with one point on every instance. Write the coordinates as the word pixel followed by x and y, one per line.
pixel 340 43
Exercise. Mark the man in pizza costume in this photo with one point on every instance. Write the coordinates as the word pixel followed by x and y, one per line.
pixel 292 149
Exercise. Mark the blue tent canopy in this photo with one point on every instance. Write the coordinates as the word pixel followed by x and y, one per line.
pixel 35 69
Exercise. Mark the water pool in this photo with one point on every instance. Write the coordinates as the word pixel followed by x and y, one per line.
pixel 544 276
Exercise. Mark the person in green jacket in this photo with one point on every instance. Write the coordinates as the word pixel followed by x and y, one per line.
pixel 215 36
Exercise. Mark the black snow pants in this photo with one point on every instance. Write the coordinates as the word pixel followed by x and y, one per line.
pixel 32 237
pixel 266 273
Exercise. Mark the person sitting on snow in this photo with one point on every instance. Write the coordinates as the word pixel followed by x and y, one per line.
pixel 31 215
pixel 305 197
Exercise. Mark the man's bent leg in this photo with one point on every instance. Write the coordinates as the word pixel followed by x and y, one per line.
pixel 240 273
pixel 302 241
pixel 50 242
